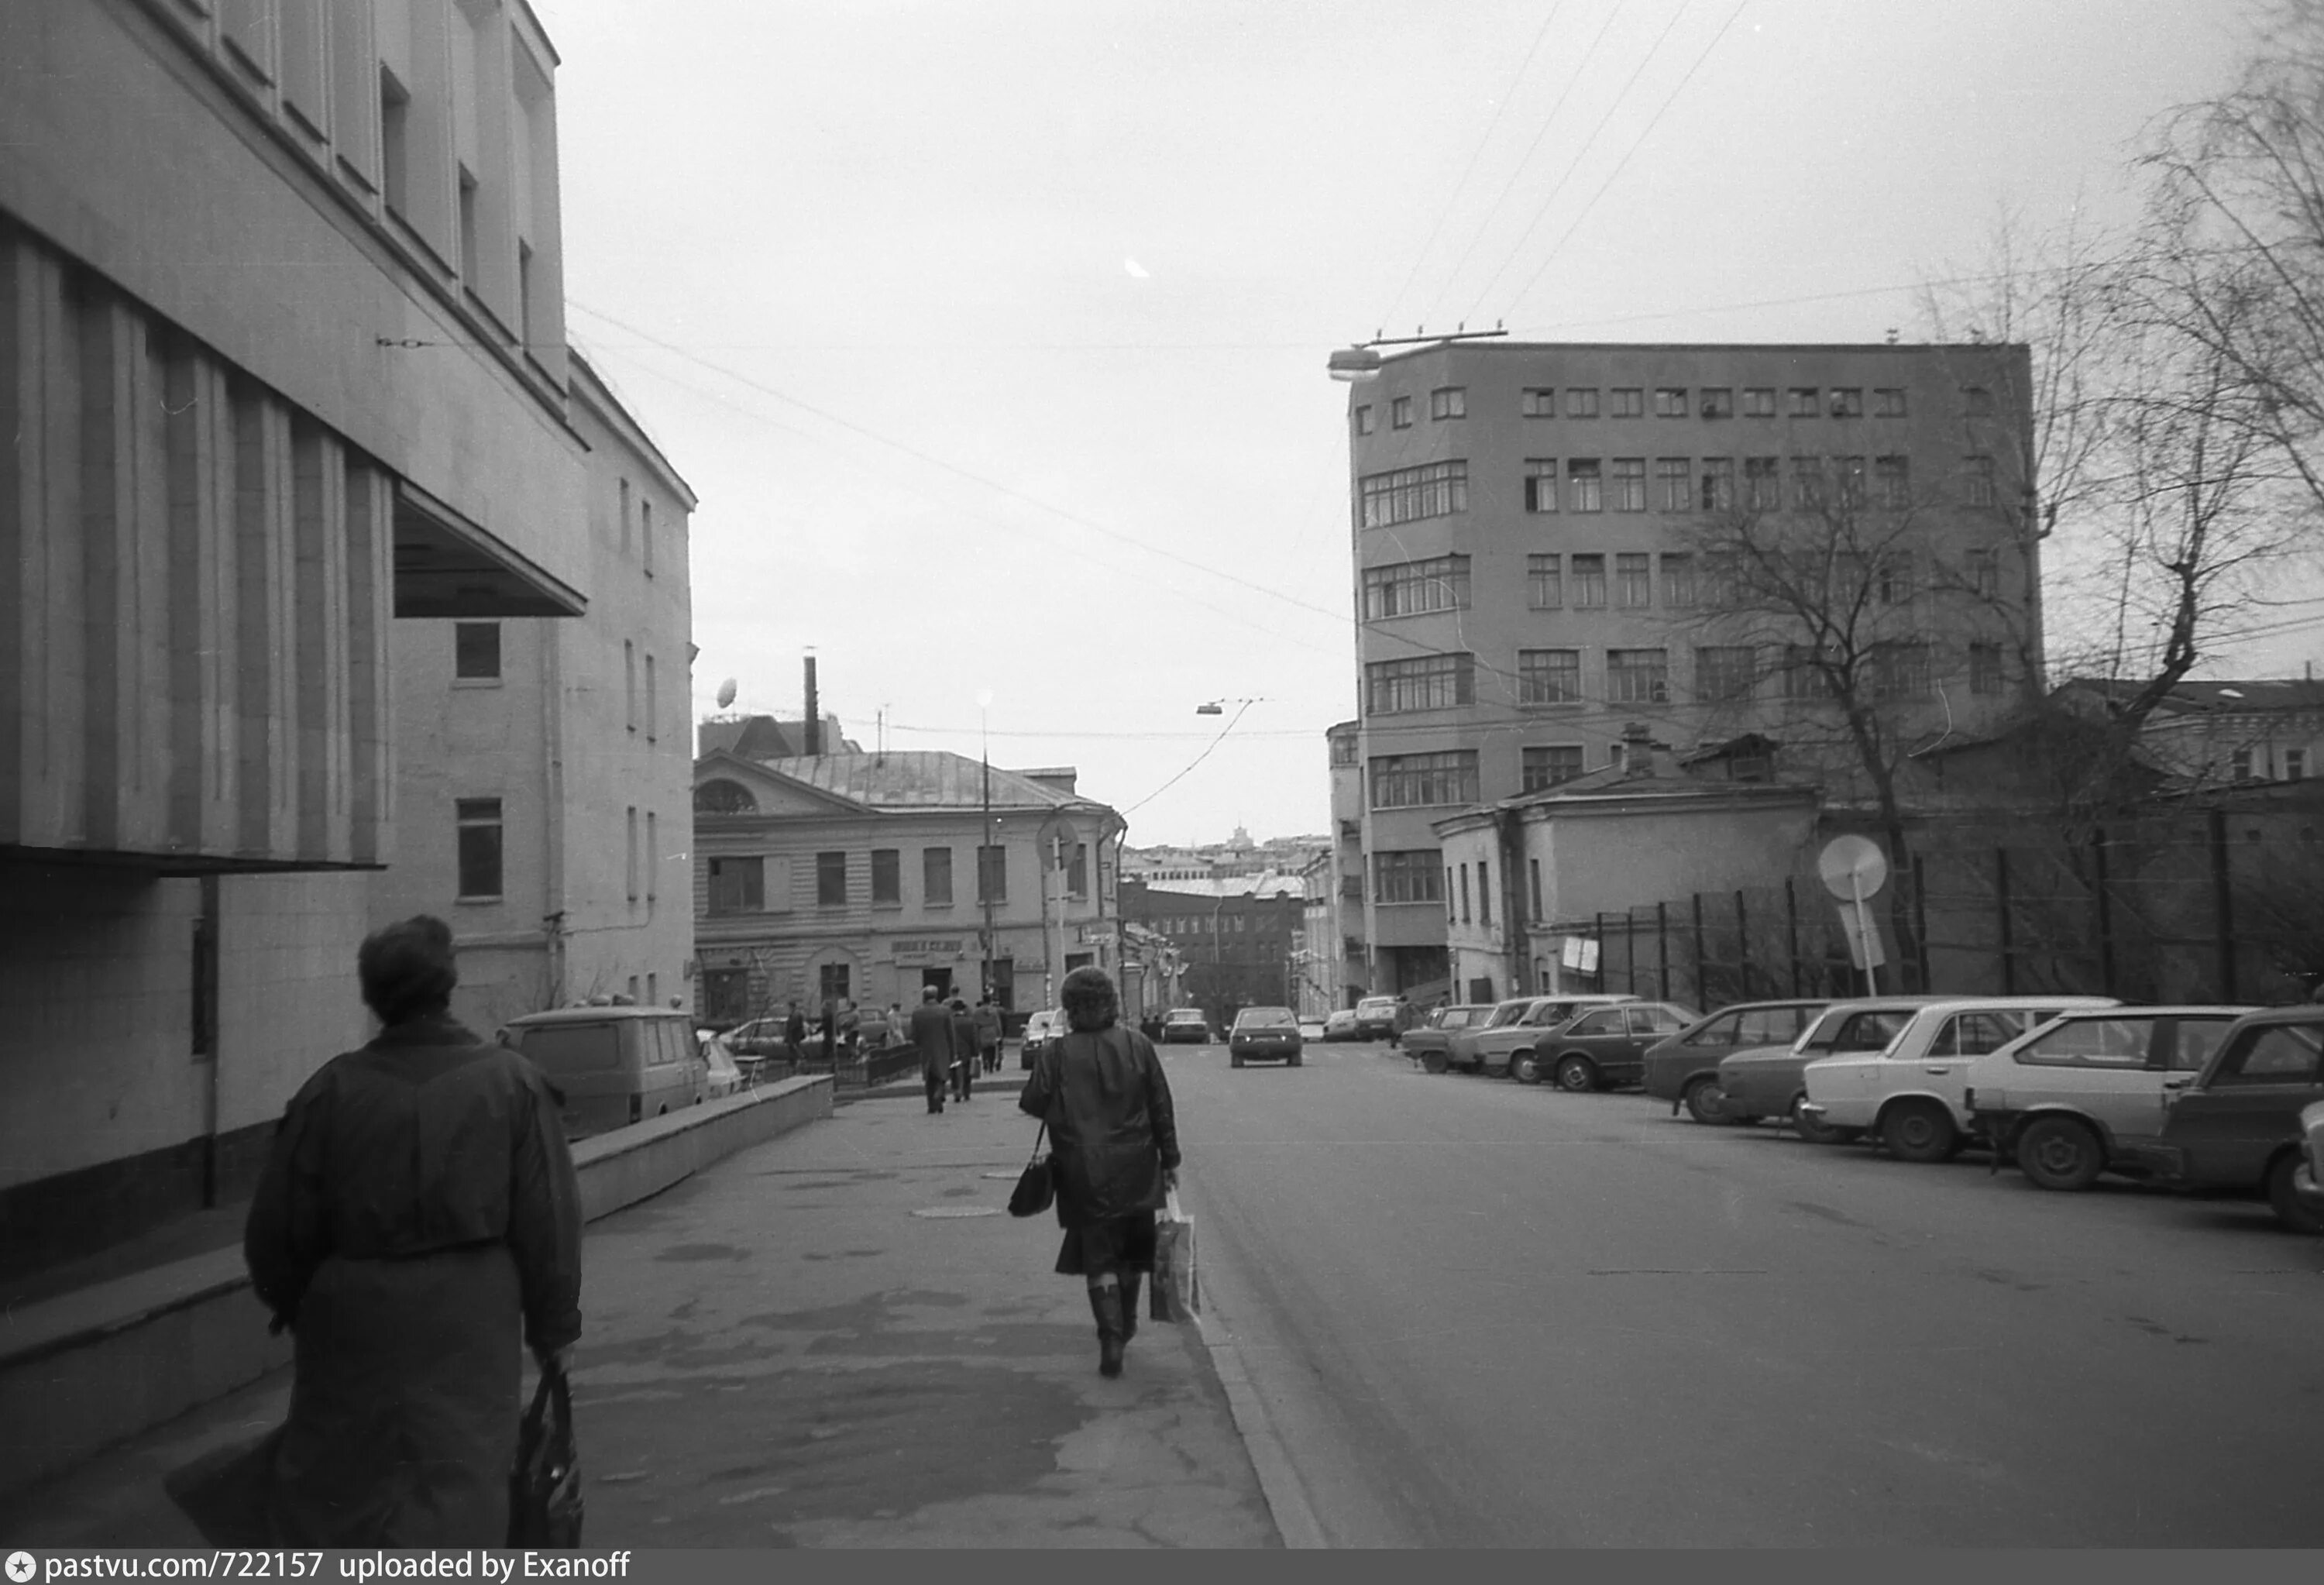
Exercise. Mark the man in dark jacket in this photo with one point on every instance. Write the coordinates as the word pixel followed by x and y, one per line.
pixel 795 1036
pixel 931 1035
pixel 988 1033
pixel 964 1050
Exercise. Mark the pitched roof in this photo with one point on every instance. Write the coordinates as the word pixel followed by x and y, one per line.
pixel 920 778
pixel 2226 697
pixel 766 737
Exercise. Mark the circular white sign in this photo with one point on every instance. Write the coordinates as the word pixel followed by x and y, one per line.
pixel 1852 867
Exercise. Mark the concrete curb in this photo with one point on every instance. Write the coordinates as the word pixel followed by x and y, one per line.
pixel 1279 1480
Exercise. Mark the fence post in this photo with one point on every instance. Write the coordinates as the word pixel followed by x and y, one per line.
pixel 2104 911
pixel 2223 902
pixel 1701 994
pixel 1921 918
pixel 1598 935
pixel 2001 919
pixel 1792 931
pixel 1630 948
pixel 1662 946
pixel 1742 947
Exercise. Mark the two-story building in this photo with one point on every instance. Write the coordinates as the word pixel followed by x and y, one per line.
pixel 867 876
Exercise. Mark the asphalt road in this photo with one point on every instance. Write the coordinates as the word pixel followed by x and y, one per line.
pixel 1490 1316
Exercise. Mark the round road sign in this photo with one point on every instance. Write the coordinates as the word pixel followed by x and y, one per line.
pixel 1852 867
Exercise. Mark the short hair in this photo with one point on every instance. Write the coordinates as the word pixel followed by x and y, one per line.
pixel 1089 998
pixel 408 969
pixel 927 993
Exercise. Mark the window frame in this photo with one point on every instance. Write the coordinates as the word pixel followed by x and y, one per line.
pixel 463 649
pixel 480 815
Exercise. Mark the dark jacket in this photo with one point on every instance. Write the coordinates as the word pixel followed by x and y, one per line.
pixel 931 1032
pixel 964 1037
pixel 1111 1121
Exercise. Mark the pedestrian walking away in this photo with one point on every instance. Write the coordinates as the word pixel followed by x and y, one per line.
pixel 987 1018
pixel 830 1031
pixel 416 1205
pixel 931 1034
pixel 1114 1135
pixel 794 1037
pixel 964 1050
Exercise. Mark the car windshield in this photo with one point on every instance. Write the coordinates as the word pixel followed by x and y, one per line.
pixel 1857 1029
pixel 1266 1018
pixel 1186 1015
pixel 1509 1012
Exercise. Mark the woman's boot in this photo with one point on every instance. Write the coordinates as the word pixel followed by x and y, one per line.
pixel 1105 1304
pixel 1130 1283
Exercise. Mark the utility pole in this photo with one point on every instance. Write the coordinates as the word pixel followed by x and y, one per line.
pixel 982 885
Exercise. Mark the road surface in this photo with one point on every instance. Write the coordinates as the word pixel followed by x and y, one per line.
pixel 1486 1314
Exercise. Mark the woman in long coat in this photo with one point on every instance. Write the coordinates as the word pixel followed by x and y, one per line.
pixel 1115 1133
pixel 419 1208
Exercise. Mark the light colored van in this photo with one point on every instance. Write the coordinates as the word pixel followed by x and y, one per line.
pixel 614 1065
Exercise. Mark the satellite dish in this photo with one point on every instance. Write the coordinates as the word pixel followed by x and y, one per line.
pixel 1852 867
pixel 725 693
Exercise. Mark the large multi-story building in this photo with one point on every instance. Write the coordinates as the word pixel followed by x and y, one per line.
pixel 868 876
pixel 282 361
pixel 1238 937
pixel 544 770
pixel 1553 542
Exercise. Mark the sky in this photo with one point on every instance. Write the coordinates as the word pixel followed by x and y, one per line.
pixel 991 333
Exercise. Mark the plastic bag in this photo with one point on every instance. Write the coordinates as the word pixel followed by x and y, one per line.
pixel 545 1486
pixel 1176 1295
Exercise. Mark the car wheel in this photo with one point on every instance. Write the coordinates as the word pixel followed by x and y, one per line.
pixel 1234 1060
pixel 1295 1062
pixel 1704 1102
pixel 1815 1132
pixel 1576 1074
pixel 1434 1061
pixel 2294 1216
pixel 1525 1068
pixel 2061 1153
pixel 1921 1131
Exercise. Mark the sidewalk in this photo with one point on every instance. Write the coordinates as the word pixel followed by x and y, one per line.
pixel 838 1338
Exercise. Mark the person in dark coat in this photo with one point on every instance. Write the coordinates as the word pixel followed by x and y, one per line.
pixel 931 1034
pixel 988 1033
pixel 828 1027
pixel 1102 1091
pixel 795 1036
pixel 417 1207
pixel 964 1050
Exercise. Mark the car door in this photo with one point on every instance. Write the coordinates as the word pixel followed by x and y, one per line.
pixel 2247 1105
pixel 1645 1023
pixel 1603 1036
pixel 1942 1068
pixel 2103 1067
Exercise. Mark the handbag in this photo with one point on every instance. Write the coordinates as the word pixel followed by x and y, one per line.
pixel 1037 1185
pixel 1176 1295
pixel 545 1486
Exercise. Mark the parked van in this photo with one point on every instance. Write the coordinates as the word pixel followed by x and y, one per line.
pixel 615 1065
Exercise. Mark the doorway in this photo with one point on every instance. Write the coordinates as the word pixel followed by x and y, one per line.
pixel 939 978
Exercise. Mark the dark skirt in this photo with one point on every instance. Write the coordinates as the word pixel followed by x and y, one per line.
pixel 1111 1244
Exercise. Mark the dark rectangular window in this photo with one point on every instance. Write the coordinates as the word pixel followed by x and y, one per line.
pixel 1449 401
pixel 936 876
pixel 1763 484
pixel 1674 484
pixel 1406 588
pixel 1985 668
pixel 1484 892
pixel 886 875
pixel 1410 495
pixel 1077 871
pixel 1724 671
pixel 1538 401
pixel 1847 402
pixel 1670 402
pixel 1630 484
pixel 1977 481
pixel 1424 682
pixel 395 141
pixel 480 846
pixel 1541 484
pixel 1585 485
pixel 992 873
pixel 831 880
pixel 1849 473
pixel 1892 478
pixel 1637 676
pixel 1546 767
pixel 1758 401
pixel 1900 671
pixel 1590 582
pixel 475 650
pixel 1549 676
pixel 1634 580
pixel 1807 401
pixel 1678 578
pixel 1405 877
pixel 1718 483
pixel 1717 402
pixel 1629 402
pixel 1888 403
pixel 1412 781
pixel 1544 582
pixel 1399 412
pixel 1984 570
pixel 1582 403
pixel 738 886
pixel 1364 419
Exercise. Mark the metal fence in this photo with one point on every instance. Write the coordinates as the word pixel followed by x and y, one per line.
pixel 2202 905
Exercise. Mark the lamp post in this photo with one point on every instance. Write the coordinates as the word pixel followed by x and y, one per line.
pixel 984 891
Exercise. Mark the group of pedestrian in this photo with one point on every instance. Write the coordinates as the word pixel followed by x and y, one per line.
pixel 419 1215
pixel 956 1043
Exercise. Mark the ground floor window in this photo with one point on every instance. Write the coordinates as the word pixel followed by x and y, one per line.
pixel 725 995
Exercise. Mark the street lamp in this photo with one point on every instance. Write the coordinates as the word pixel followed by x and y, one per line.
pixel 984 891
pixel 1219 707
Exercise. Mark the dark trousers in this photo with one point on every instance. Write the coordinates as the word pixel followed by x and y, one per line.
pixel 963 1071
pixel 992 1057
pixel 936 1091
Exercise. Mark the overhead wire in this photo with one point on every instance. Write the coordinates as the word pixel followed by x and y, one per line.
pixel 1197 759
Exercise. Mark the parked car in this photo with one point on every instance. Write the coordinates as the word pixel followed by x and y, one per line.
pixel 1487 1048
pixel 1771 1081
pixel 613 1065
pixel 2237 1126
pixel 1341 1025
pixel 1310 1028
pixel 1912 1092
pixel 1430 1043
pixel 2308 1178
pixel 722 1074
pixel 1683 1068
pixel 1263 1034
pixel 1185 1023
pixel 1042 1030
pixel 2057 1100
pixel 1599 1048
pixel 758 1038
pixel 1377 1017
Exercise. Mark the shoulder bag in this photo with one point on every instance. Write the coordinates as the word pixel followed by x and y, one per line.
pixel 1037 1185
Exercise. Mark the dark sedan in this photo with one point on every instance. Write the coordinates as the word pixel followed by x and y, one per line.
pixel 2237 1125
pixel 1684 1069
pixel 1263 1034
pixel 1601 1047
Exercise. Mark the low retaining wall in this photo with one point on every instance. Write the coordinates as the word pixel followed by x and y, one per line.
pixel 89 1369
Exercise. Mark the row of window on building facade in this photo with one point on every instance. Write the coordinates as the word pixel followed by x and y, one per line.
pixel 1723 673
pixel 1678 402
pixel 1580 581
pixel 1675 485
pixel 1417 877
pixel 476 658
pixel 480 841
pixel 738 884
